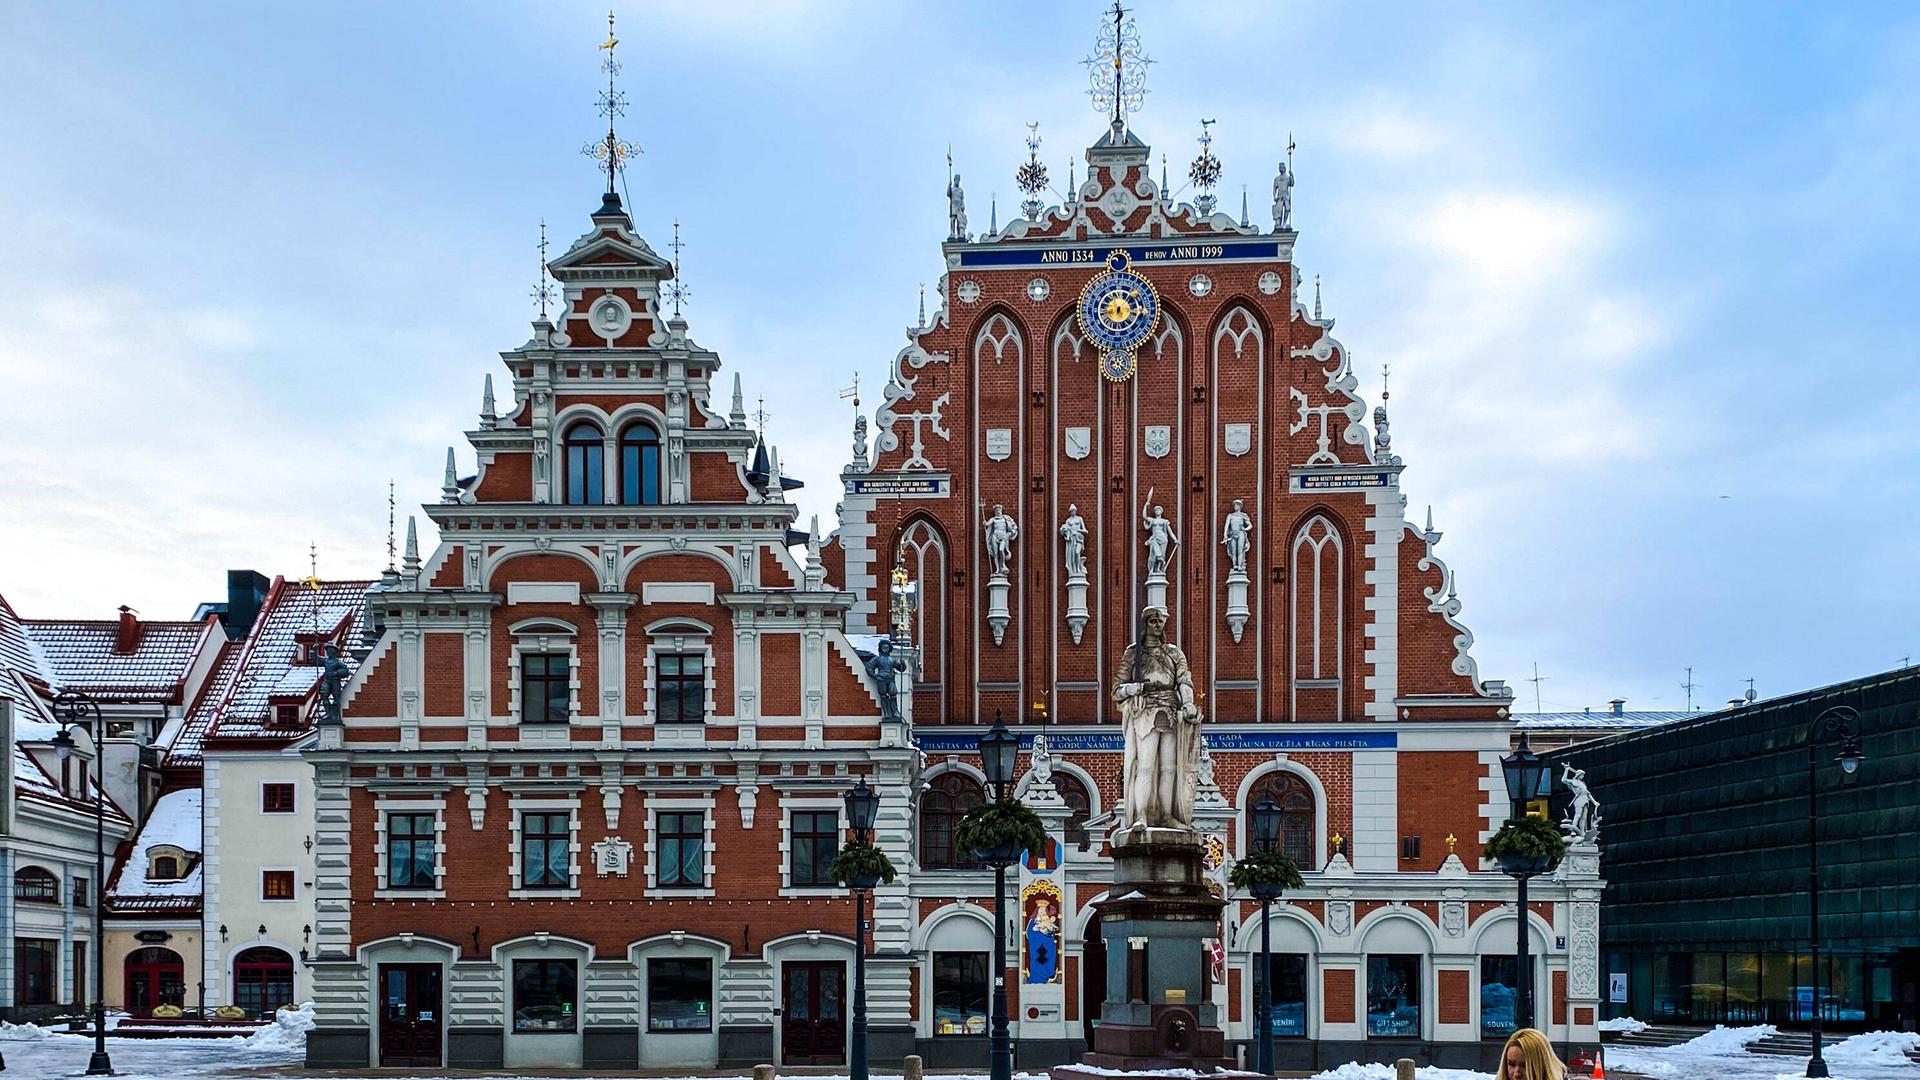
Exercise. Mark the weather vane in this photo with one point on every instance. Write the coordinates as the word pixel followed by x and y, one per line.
pixel 1205 170
pixel 1032 177
pixel 675 290
pixel 543 292
pixel 390 508
pixel 611 152
pixel 1117 71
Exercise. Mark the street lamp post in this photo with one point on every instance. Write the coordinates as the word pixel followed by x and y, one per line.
pixel 77 709
pixel 998 748
pixel 863 807
pixel 1527 778
pixel 1265 822
pixel 1845 722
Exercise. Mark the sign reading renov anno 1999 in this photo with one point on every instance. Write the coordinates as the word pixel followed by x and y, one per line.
pixel 1096 255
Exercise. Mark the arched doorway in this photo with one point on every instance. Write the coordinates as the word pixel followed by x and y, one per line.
pixel 154 976
pixel 262 981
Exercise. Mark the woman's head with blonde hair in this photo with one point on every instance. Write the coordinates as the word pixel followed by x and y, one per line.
pixel 1529 1055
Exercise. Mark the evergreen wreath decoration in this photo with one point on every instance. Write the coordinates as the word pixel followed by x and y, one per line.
pixel 860 865
pixel 1266 868
pixel 1003 824
pixel 1528 838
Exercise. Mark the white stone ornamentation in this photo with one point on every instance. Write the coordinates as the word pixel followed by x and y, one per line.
pixel 612 856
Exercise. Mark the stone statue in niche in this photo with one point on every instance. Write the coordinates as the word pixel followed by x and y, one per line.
pixel 1073 532
pixel 1160 539
pixel 1001 531
pixel 1154 689
pixel 1237 537
pixel 885 670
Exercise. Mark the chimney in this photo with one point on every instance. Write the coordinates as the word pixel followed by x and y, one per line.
pixel 126 638
pixel 1618 705
pixel 246 594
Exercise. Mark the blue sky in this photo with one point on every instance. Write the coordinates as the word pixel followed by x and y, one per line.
pixel 1643 273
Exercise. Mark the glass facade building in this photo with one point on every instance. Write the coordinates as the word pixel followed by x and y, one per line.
pixel 1705 837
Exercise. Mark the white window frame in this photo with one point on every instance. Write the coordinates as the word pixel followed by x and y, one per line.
pixel 262 882
pixel 384 805
pixel 294 784
pixel 677 804
pixel 788 804
pixel 537 636
pixel 673 637
pixel 517 808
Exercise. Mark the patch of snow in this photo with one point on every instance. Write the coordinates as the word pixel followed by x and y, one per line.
pixel 175 822
pixel 1876 1048
pixel 1625 1024
pixel 26 1032
pixel 1726 1040
pixel 1377 1071
pixel 287 1035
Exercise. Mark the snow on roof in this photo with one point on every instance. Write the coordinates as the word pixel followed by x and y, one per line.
pixel 1598 721
pixel 82 656
pixel 26 679
pixel 174 822
pixel 17 650
pixel 247 678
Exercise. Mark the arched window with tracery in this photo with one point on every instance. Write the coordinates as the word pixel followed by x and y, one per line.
pixel 640 465
pixel 1298 813
pixel 1079 808
pixel 1318 595
pixel 586 464
pixel 923 552
pixel 999 340
pixel 947 799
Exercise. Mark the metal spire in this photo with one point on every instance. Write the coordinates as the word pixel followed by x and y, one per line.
pixel 1166 193
pixel 611 152
pixel 737 416
pixel 1244 219
pixel 390 505
pixel 675 290
pixel 993 214
pixel 1316 296
pixel 1117 72
pixel 542 291
pixel 1205 171
pixel 922 324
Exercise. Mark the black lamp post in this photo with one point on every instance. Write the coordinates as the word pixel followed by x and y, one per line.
pixel 998 748
pixel 1265 822
pixel 77 709
pixel 1845 722
pixel 863 807
pixel 1527 778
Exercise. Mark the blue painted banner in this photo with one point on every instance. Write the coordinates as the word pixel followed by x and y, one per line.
pixel 1095 255
pixel 955 742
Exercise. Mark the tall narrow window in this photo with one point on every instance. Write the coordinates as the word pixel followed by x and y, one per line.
pixel 1079 808
pixel 36 967
pixel 942 805
pixel 1393 996
pixel 545 689
pixel 1297 810
pixel 814 842
pixel 1499 978
pixel 1289 993
pixel 959 993
pixel 680 688
pixel 544 851
pixel 680 844
pixel 640 465
pixel 586 464
pixel 410 855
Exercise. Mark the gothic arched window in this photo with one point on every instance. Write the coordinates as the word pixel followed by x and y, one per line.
pixel 640 465
pixel 1297 813
pixel 1079 808
pixel 586 464
pixel 947 800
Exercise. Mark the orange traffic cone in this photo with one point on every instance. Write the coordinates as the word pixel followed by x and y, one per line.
pixel 1599 1071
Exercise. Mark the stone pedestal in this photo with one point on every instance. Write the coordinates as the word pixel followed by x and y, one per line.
pixel 1237 611
pixel 1157 592
pixel 1076 607
pixel 1158 1013
pixel 998 611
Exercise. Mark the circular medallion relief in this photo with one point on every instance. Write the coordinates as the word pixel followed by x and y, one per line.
pixel 611 316
pixel 1200 285
pixel 1038 289
pixel 1270 283
pixel 968 291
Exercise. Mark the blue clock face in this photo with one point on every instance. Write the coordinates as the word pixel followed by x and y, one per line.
pixel 1118 312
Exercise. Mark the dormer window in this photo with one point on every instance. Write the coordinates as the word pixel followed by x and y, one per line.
pixel 640 465
pixel 585 464
pixel 166 863
pixel 286 716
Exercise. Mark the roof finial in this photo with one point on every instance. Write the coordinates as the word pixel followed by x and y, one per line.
pixel 1166 192
pixel 1290 149
pixel 737 416
pixel 815 574
pixel 411 565
pixel 1245 221
pixel 993 214
pixel 1032 177
pixel 859 424
pixel 1073 190
pixel 760 415
pixel 1205 171
pixel 1316 296
pixel 675 290
pixel 611 152
pixel 1386 371
pixel 390 506
pixel 450 485
pixel 1117 72
pixel 489 417
pixel 922 324
pixel 312 580
pixel 543 292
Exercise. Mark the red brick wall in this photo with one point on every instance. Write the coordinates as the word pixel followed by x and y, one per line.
pixel 1455 996
pixel 1337 991
pixel 713 478
pixel 509 478
pixel 378 695
pixel 1438 796
pixel 779 675
pixel 443 659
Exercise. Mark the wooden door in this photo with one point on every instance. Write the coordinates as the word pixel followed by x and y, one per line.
pixel 154 976
pixel 813 1021
pixel 1093 979
pixel 410 1014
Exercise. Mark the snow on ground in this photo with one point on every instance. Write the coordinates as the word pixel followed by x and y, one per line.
pixel 1623 1023
pixel 32 1050
pixel 1721 1054
pixel 1351 1071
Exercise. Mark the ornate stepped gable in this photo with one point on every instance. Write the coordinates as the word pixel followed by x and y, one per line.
pixel 1239 392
